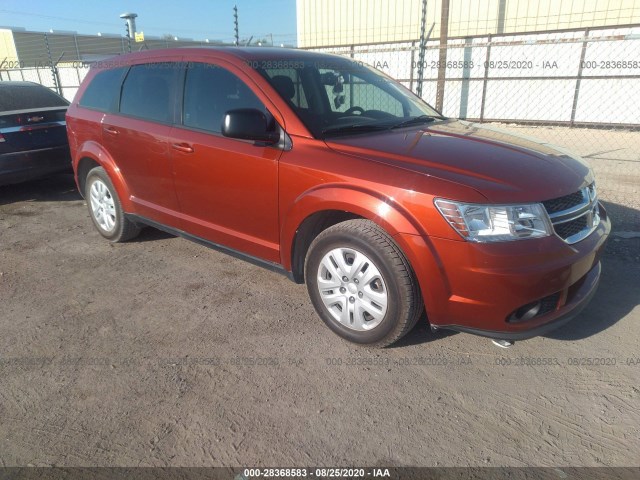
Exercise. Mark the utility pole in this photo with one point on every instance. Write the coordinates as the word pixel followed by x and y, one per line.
pixel 235 24
pixel 442 57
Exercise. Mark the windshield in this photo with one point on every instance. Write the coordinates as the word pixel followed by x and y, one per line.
pixel 339 96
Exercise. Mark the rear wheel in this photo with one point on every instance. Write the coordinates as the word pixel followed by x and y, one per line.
pixel 361 284
pixel 105 208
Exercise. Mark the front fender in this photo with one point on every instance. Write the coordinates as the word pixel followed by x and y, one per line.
pixel 384 210
pixel 93 151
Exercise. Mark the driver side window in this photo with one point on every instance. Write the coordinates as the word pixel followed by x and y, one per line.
pixel 346 91
pixel 209 92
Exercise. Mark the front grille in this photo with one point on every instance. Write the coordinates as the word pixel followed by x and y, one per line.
pixel 576 215
pixel 564 203
pixel 568 229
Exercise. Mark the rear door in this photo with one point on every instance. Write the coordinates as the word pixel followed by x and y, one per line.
pixel 137 138
pixel 227 188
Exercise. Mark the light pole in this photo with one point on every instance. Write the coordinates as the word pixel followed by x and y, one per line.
pixel 131 26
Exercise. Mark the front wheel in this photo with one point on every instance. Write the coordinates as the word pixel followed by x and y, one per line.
pixel 361 284
pixel 105 208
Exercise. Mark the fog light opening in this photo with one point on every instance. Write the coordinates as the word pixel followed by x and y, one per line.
pixel 526 312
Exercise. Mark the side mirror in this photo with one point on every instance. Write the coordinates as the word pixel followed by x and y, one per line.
pixel 248 124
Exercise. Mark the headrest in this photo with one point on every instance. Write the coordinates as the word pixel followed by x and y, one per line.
pixel 284 85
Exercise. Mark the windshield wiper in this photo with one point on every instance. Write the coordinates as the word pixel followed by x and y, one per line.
pixel 357 128
pixel 375 127
pixel 415 121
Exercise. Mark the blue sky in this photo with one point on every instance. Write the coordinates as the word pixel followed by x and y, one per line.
pixel 196 19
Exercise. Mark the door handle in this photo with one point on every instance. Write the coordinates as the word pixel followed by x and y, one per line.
pixel 111 131
pixel 182 147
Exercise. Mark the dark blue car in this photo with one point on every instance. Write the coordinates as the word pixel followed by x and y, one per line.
pixel 33 137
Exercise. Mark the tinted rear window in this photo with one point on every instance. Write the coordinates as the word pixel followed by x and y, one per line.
pixel 24 97
pixel 148 91
pixel 103 92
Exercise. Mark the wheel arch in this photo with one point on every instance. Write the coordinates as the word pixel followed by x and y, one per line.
pixel 321 208
pixel 91 155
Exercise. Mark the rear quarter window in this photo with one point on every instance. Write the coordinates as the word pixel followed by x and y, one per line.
pixel 103 92
pixel 26 97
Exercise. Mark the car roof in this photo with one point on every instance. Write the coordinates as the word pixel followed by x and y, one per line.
pixel 259 53
pixel 243 53
pixel 19 84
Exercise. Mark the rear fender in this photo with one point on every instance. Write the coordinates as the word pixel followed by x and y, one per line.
pixel 93 151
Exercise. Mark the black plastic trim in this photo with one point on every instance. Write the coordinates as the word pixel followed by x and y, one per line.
pixel 274 267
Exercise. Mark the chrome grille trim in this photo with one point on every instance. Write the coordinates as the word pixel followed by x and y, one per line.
pixel 587 212
pixel 588 195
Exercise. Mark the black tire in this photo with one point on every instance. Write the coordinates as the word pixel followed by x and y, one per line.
pixel 123 229
pixel 404 300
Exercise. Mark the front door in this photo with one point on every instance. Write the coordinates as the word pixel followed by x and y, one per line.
pixel 227 188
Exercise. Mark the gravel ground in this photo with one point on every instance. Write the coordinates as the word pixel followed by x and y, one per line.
pixel 161 352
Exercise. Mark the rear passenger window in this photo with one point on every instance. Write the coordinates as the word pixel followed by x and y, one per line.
pixel 104 90
pixel 209 92
pixel 148 92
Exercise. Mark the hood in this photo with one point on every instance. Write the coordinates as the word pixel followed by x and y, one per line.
pixel 503 166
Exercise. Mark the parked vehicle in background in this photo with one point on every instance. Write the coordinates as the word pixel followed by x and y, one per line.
pixel 33 136
pixel 336 175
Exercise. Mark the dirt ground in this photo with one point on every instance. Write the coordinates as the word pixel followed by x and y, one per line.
pixel 161 352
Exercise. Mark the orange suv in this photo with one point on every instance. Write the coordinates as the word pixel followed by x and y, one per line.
pixel 328 171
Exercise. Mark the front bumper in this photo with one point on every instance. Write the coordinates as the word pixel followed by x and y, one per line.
pixel 475 288
pixel 580 300
pixel 29 165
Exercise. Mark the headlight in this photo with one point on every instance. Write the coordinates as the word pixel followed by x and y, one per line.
pixel 496 223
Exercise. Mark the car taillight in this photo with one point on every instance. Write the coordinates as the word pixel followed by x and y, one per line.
pixel 2 138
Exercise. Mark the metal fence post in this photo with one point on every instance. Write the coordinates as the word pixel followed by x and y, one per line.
pixel 413 63
pixel 75 41
pixel 576 93
pixel 486 76
pixel 466 76
pixel 423 46
pixel 52 65
pixel 352 55
pixel 442 54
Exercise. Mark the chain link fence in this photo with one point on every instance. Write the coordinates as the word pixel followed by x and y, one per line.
pixel 576 88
